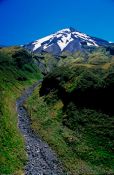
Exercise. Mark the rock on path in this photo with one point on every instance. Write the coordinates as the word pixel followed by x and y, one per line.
pixel 41 159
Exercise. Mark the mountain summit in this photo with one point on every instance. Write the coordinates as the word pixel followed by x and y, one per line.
pixel 67 39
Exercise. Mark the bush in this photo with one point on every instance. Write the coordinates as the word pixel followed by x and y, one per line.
pixel 98 58
pixel 22 57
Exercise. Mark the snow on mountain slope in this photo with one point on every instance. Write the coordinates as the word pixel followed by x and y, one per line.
pixel 67 39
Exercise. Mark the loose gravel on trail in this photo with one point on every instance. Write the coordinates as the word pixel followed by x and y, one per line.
pixel 42 160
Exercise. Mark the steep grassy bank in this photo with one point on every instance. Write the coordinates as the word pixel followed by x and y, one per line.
pixel 75 116
pixel 17 72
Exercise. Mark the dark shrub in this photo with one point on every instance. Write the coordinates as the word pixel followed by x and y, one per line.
pixel 22 57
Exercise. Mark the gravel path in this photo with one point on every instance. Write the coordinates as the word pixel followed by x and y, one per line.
pixel 41 159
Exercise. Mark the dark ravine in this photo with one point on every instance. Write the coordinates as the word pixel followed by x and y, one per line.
pixel 41 159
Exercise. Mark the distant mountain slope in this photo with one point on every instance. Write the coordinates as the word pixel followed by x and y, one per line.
pixel 67 39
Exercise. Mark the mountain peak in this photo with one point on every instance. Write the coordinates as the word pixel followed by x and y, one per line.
pixel 69 29
pixel 72 29
pixel 67 39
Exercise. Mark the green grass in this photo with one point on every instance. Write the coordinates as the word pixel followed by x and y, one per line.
pixel 13 81
pixel 82 137
pixel 79 153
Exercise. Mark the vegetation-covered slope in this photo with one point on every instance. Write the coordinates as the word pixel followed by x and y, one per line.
pixel 17 72
pixel 94 56
pixel 72 110
pixel 74 114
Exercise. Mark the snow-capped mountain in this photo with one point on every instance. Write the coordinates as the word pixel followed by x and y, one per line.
pixel 67 39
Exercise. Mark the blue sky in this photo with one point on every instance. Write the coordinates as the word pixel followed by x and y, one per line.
pixel 23 21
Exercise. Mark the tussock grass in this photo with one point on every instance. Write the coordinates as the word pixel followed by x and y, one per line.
pixel 47 122
pixel 12 148
pixel 81 135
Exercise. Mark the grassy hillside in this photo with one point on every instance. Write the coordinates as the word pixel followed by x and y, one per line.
pixel 73 112
pixel 93 56
pixel 17 72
